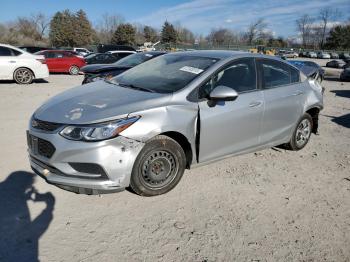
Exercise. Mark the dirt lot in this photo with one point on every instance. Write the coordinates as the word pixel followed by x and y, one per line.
pixel 274 205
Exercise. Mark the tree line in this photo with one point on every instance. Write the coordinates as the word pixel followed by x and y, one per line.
pixel 68 29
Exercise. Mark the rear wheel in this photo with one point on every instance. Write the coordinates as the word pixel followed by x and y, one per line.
pixel 158 167
pixel 23 76
pixel 74 70
pixel 302 133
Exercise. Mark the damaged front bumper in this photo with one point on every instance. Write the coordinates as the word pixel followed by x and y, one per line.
pixel 83 167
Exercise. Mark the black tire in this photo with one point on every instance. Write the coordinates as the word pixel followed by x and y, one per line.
pixel 158 167
pixel 23 76
pixel 74 70
pixel 300 137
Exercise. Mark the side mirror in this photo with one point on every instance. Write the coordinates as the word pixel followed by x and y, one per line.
pixel 223 93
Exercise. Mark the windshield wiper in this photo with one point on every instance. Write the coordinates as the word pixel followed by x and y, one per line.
pixel 137 87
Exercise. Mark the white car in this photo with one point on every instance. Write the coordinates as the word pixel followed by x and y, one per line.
pixel 121 53
pixel 323 55
pixel 81 51
pixel 311 54
pixel 21 66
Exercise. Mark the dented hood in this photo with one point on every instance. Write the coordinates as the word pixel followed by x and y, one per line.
pixel 97 102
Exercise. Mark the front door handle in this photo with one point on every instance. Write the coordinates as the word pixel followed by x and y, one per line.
pixel 12 61
pixel 255 103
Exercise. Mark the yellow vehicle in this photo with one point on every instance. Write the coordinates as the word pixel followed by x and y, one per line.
pixel 263 50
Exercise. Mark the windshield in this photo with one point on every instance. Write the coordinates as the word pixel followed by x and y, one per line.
pixel 134 60
pixel 166 73
pixel 90 56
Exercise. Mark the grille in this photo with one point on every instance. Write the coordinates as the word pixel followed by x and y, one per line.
pixel 45 126
pixel 45 148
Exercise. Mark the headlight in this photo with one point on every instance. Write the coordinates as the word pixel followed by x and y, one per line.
pixel 97 78
pixel 101 77
pixel 98 132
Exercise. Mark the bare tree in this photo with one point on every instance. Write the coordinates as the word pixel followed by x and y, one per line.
pixel 107 26
pixel 326 15
pixel 222 36
pixel 304 27
pixel 42 23
pixel 256 30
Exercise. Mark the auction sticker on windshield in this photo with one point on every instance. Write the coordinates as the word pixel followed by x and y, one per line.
pixel 191 69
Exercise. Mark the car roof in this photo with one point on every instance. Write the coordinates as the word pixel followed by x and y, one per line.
pixel 226 54
pixel 217 54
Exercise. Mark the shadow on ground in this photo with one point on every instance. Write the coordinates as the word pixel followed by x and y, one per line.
pixel 37 81
pixel 342 93
pixel 19 233
pixel 343 120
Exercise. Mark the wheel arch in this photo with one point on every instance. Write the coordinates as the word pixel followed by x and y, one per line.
pixel 314 113
pixel 25 67
pixel 184 143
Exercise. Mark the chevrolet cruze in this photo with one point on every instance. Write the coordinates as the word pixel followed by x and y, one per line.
pixel 143 128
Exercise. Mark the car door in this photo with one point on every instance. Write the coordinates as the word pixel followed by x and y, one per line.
pixel 50 57
pixel 8 61
pixel 64 60
pixel 283 93
pixel 229 127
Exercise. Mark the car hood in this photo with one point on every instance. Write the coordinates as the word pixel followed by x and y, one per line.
pixel 97 102
pixel 96 68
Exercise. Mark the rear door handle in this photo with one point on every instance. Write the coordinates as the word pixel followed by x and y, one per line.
pixel 255 103
pixel 12 61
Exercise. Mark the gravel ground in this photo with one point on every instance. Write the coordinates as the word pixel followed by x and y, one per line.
pixel 273 205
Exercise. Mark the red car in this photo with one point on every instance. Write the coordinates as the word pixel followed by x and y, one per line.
pixel 60 61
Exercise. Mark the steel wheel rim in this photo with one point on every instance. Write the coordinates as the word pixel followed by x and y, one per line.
pixel 303 132
pixel 23 76
pixel 159 169
pixel 74 70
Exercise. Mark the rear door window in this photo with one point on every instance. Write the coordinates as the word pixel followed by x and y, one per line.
pixel 274 73
pixel 4 51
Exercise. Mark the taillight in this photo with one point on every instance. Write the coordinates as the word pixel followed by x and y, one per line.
pixel 43 61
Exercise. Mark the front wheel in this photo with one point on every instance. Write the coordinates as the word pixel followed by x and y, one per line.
pixel 74 70
pixel 23 76
pixel 158 167
pixel 302 133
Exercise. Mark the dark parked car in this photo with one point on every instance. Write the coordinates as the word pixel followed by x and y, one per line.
pixel 34 49
pixel 105 48
pixel 98 71
pixel 345 75
pixel 336 64
pixel 101 58
pixel 309 68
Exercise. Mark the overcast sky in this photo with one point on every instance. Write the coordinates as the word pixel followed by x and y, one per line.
pixel 198 15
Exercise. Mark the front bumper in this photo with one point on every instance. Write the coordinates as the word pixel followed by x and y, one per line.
pixel 115 157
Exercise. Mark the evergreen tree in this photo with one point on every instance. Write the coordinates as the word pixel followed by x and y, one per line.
pixel 169 35
pixel 150 34
pixel 124 35
pixel 84 33
pixel 70 30
pixel 339 37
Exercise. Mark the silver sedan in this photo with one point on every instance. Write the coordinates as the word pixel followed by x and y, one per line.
pixel 144 127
